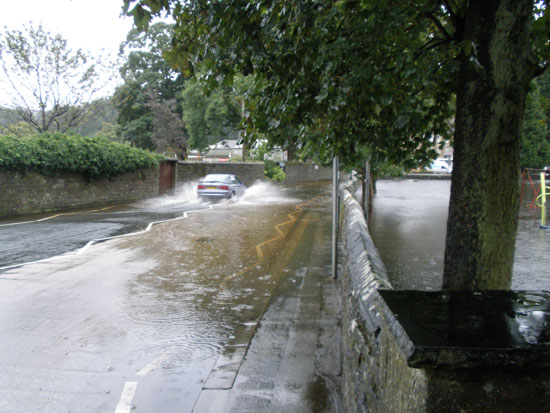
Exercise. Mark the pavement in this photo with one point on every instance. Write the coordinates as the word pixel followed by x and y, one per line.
pixel 292 357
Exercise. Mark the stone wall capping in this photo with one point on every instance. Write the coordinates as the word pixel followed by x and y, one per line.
pixel 471 329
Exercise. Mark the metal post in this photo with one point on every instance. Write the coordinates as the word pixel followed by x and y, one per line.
pixel 542 200
pixel 335 216
pixel 367 191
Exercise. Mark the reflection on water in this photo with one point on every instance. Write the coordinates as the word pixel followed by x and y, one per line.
pixel 408 227
pixel 208 279
pixel 157 308
pixel 532 256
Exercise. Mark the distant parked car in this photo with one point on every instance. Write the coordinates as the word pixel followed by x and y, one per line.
pixel 218 186
pixel 440 166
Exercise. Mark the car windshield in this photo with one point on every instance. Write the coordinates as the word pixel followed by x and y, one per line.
pixel 216 178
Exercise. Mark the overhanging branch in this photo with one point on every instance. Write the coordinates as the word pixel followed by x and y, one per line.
pixel 439 26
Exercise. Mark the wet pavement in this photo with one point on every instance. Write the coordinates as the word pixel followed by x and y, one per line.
pixel 408 226
pixel 226 308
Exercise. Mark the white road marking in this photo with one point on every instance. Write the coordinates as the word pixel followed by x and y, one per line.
pixel 31 262
pixel 92 242
pixel 185 214
pixel 155 363
pixel 125 403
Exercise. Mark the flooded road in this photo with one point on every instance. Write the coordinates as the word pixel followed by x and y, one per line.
pixel 151 320
pixel 409 224
pixel 38 237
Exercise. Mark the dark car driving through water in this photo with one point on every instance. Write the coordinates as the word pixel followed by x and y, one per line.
pixel 220 186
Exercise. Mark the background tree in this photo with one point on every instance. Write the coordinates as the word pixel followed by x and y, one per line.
pixel 210 117
pixel 168 134
pixel 47 82
pixel 358 78
pixel 101 120
pixel 145 70
pixel 535 151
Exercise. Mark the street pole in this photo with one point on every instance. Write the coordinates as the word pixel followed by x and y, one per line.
pixel 335 216
pixel 366 189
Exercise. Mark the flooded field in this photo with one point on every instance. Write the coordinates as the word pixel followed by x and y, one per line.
pixel 408 227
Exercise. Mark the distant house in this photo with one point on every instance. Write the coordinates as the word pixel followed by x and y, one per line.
pixel 225 149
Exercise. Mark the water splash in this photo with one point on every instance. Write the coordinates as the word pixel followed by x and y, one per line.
pixel 185 194
pixel 262 193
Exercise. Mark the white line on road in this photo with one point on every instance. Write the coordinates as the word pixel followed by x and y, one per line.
pixel 156 363
pixel 196 210
pixel 125 403
pixel 31 262
pixel 95 241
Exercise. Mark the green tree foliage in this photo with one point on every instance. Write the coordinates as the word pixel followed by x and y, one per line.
pixel 372 78
pixel 169 134
pixel 314 91
pixel 209 117
pixel 194 109
pixel 145 73
pixel 272 170
pixel 48 83
pixel 101 120
pixel 56 153
pixel 8 116
pixel 535 151
pixel 18 129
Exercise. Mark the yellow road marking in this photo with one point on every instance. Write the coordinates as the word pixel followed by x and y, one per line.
pixel 54 216
pixel 281 235
pixel 75 212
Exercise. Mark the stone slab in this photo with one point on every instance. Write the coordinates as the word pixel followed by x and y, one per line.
pixel 471 329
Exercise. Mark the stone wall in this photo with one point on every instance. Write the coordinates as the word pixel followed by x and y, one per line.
pixel 26 193
pixel 451 351
pixel 248 172
pixel 306 172
pixel 32 192
pixel 363 275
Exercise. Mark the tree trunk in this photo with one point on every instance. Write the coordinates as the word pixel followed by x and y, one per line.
pixel 483 210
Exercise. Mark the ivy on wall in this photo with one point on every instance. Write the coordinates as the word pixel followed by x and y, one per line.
pixel 55 153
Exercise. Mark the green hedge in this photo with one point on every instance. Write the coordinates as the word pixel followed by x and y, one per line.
pixel 51 154
pixel 273 171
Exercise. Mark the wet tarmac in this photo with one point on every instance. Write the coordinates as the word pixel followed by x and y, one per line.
pixel 36 237
pixel 409 224
pixel 161 321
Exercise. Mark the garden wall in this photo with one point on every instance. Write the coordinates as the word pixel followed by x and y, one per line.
pixel 27 193
pixel 306 172
pixel 248 172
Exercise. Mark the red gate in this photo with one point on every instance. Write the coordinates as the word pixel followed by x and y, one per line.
pixel 166 177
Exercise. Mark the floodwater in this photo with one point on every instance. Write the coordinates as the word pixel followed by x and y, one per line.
pixel 408 227
pixel 40 236
pixel 142 321
pixel 37 237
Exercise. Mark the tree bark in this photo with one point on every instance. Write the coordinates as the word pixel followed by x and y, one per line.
pixel 484 204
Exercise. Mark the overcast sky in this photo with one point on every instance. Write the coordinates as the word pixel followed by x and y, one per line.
pixel 95 26
pixel 91 25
